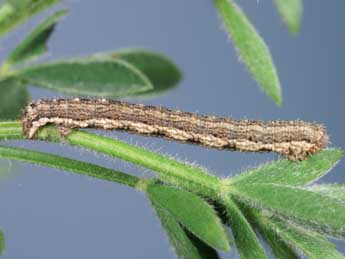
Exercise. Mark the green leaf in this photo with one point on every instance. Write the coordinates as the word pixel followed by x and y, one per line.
pixel 13 98
pixel 247 243
pixel 335 191
pixel 280 249
pixel 283 234
pixel 251 47
pixel 311 209
pixel 192 212
pixel 162 72
pixel 292 173
pixel 311 244
pixel 2 242
pixel 186 245
pixel 88 77
pixel 35 44
pixel 67 164
pixel 291 12
pixel 15 12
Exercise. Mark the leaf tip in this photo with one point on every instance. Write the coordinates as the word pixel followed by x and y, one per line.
pixel 275 95
pixel 294 28
pixel 225 247
pixel 278 101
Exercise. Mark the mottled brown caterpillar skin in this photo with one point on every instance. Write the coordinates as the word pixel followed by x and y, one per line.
pixel 293 139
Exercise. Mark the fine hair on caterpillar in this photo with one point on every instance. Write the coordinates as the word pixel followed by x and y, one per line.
pixel 292 139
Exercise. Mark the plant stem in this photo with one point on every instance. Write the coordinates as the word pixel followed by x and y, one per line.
pixel 169 170
pixel 68 165
pixel 10 130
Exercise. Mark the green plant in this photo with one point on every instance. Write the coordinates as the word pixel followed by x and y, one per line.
pixel 278 200
pixel 252 48
pixel 127 72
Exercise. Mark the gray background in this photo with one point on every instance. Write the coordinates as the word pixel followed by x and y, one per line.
pixel 47 213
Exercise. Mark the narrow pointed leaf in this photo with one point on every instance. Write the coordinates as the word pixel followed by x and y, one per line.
pixel 293 238
pixel 335 191
pixel 279 248
pixel 162 72
pixel 247 243
pixel 251 48
pixel 13 98
pixel 310 209
pixel 15 12
pixel 192 212
pixel 88 77
pixel 311 244
pixel 2 242
pixel 185 244
pixel 35 43
pixel 292 173
pixel 291 12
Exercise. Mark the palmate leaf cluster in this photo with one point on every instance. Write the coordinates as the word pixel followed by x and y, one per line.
pixel 293 215
pixel 279 202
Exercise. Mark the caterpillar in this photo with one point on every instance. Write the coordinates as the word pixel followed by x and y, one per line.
pixel 295 140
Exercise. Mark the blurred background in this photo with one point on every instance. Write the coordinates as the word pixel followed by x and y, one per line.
pixel 46 213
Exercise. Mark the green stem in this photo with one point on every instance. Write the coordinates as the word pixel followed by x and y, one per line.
pixel 67 164
pixel 168 170
pixel 10 130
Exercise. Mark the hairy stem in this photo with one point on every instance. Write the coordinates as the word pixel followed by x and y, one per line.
pixel 169 170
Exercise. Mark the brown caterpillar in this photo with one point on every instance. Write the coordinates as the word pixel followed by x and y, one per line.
pixel 293 139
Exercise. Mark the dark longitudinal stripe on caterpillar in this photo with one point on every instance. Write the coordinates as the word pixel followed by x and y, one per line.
pixel 293 139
